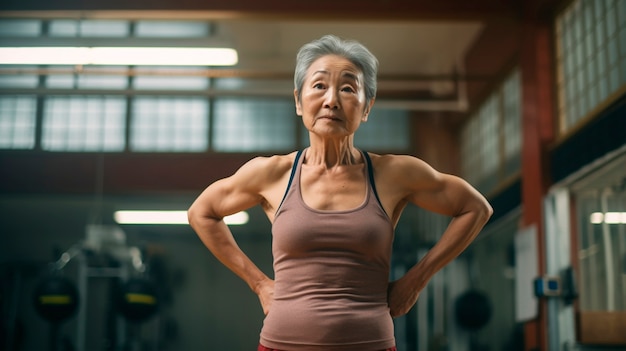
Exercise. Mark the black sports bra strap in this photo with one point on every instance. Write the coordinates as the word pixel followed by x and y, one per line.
pixel 370 173
pixel 293 172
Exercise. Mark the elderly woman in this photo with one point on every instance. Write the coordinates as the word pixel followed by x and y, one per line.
pixel 333 210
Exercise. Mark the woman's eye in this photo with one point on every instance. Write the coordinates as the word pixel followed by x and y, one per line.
pixel 347 89
pixel 318 86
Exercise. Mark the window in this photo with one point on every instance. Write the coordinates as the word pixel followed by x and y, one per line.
pixel 171 29
pixel 254 124
pixel 84 123
pixel 20 28
pixel 169 124
pixel 471 160
pixel 491 139
pixel 591 57
pixel 89 28
pixel 511 119
pixel 599 201
pixel 385 130
pixel 17 122
pixel 170 81
pixel 87 81
pixel 489 120
pixel 19 79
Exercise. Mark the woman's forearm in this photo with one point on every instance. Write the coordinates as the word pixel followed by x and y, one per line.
pixel 404 292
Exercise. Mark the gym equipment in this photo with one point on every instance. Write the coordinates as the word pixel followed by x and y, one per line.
pixel 103 259
pixel 137 300
pixel 473 310
pixel 56 299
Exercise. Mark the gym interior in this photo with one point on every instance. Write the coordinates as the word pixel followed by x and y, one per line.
pixel 526 100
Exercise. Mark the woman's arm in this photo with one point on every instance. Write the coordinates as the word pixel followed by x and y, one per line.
pixel 222 198
pixel 448 195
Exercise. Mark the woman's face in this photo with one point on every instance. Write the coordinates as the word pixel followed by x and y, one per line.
pixel 332 100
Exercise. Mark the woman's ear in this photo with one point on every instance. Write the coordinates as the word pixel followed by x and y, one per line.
pixel 297 100
pixel 366 111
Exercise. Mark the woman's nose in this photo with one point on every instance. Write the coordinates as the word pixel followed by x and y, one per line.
pixel 332 100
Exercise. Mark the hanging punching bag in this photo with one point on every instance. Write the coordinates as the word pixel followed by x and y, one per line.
pixel 473 310
pixel 55 299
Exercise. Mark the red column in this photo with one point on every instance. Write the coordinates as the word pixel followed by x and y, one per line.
pixel 536 63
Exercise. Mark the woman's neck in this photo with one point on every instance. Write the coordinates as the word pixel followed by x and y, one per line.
pixel 332 153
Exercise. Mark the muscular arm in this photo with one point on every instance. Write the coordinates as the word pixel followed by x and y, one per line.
pixel 444 194
pixel 222 198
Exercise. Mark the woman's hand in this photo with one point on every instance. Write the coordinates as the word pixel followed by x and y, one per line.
pixel 402 295
pixel 265 292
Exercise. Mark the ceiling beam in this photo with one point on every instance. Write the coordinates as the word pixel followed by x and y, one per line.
pixel 322 9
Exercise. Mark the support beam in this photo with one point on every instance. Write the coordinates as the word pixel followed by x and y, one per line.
pixel 536 59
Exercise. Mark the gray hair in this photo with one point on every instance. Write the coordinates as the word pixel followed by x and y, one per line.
pixel 351 50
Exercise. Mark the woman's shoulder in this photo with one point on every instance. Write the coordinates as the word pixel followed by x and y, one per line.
pixel 270 166
pixel 277 160
pixel 400 168
pixel 394 160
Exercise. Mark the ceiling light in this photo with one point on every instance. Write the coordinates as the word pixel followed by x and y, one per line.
pixel 608 217
pixel 169 217
pixel 136 56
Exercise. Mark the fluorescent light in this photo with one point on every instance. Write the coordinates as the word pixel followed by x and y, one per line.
pixel 140 56
pixel 596 218
pixel 169 217
pixel 608 217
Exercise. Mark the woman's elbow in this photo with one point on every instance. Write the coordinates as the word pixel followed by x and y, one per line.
pixel 486 211
pixel 199 216
pixel 194 215
pixel 191 215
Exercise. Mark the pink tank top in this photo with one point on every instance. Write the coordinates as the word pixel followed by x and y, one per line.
pixel 331 274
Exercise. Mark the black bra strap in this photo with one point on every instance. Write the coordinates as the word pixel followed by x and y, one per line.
pixel 370 173
pixel 293 172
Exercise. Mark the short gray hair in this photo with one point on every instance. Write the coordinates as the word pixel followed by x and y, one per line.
pixel 351 50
